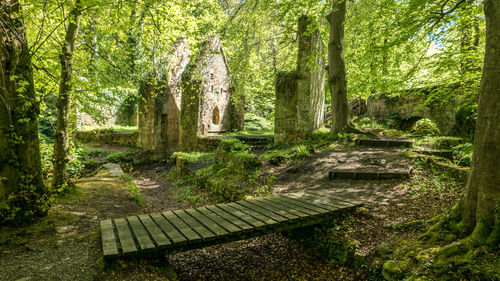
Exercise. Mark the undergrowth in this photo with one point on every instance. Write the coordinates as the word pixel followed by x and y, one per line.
pixel 134 191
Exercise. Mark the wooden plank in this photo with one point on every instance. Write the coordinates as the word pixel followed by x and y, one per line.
pixel 230 218
pixel 275 209
pixel 301 206
pixel 182 227
pixel 170 231
pixel 219 220
pixel 125 236
pixel 109 247
pixel 159 238
pixel 303 213
pixel 207 222
pixel 263 211
pixel 312 201
pixel 140 233
pixel 265 219
pixel 306 204
pixel 199 228
pixel 243 216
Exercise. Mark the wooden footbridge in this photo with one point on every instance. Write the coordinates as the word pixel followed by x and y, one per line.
pixel 180 230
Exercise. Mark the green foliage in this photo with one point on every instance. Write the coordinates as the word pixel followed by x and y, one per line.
pixel 188 193
pixel 118 157
pixel 427 180
pixel 134 191
pixel 256 125
pixel 425 127
pixel 194 156
pixel 465 117
pixel 462 154
pixel 234 172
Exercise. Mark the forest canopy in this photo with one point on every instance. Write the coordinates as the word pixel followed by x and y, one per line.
pixel 389 45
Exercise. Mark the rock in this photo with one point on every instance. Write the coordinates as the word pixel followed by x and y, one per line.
pixel 64 229
pixel 114 169
pixel 359 259
pixel 384 249
pixel 393 271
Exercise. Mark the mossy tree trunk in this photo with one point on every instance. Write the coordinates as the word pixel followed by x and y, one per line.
pixel 337 80
pixel 61 143
pixel 479 209
pixel 20 165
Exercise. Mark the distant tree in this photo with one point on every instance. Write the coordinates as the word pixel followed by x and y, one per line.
pixel 61 143
pixel 22 191
pixel 337 78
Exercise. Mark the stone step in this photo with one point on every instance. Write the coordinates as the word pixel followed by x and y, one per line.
pixel 255 140
pixel 385 142
pixel 367 175
pixel 448 154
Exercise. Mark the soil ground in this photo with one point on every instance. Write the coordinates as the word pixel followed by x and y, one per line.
pixel 65 244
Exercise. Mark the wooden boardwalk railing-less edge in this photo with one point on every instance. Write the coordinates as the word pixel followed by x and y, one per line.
pixel 175 231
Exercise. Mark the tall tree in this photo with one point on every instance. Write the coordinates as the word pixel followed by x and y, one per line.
pixel 61 143
pixel 479 209
pixel 337 80
pixel 22 192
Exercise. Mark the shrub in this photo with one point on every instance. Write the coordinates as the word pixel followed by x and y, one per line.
pixel 425 127
pixel 462 154
pixel 118 157
pixel 234 171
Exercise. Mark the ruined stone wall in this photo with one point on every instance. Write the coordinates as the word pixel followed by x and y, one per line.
pixel 160 103
pixel 410 106
pixel 206 100
pixel 179 59
pixel 310 79
pixel 149 126
pixel 300 95
pixel 215 115
pixel 285 114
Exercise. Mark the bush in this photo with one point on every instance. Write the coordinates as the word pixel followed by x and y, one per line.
pixel 462 154
pixel 234 171
pixel 118 157
pixel 425 127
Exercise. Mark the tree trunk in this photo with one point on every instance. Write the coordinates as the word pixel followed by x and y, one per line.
pixel 480 206
pixel 20 165
pixel 61 144
pixel 337 80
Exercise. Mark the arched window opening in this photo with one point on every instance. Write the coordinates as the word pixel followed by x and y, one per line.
pixel 216 116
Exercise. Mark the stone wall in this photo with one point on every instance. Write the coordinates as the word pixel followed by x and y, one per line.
pixel 300 95
pixel 285 112
pixel 160 102
pixel 108 137
pixel 407 107
pixel 206 107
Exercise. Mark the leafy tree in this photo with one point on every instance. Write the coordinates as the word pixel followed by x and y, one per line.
pixel 22 191
pixel 61 144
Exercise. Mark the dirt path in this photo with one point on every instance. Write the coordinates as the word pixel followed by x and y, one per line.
pixel 65 244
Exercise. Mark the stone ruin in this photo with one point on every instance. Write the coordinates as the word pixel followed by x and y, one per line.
pixel 207 108
pixel 160 103
pixel 405 108
pixel 300 94
pixel 191 99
